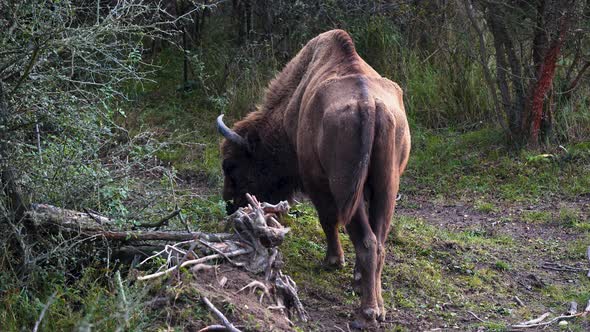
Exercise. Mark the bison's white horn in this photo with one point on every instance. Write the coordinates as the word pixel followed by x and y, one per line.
pixel 229 134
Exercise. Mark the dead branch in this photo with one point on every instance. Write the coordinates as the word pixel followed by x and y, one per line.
pixel 287 290
pixel 49 302
pixel 214 328
pixel 280 208
pixel 537 322
pixel 43 214
pixel 161 222
pixel 202 267
pixel 193 262
pixel 210 246
pixel 519 301
pixel 93 215
pixel 560 267
pixel 222 281
pixel 258 232
pixel 218 313
pixel 475 316
pixel 91 223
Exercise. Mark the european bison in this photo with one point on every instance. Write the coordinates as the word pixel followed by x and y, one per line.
pixel 331 126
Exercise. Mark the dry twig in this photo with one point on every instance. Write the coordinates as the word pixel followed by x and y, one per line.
pixel 519 301
pixel 222 317
pixel 560 267
pixel 49 302
pixel 475 316
pixel 540 321
pixel 193 262
pixel 161 222
pixel 214 328
pixel 253 286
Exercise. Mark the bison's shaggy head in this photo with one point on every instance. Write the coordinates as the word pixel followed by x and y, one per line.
pixel 239 167
pixel 252 165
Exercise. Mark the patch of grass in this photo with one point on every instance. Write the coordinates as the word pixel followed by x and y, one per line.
pixel 536 216
pixel 573 218
pixel 485 207
pixel 502 266
pixel 304 250
pixel 93 300
pixel 496 327
pixel 478 164
pixel 205 213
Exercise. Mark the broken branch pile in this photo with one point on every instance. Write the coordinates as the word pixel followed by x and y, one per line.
pixel 254 233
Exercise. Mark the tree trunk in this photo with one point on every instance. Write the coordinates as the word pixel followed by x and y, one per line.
pixel 16 204
pixel 533 114
pixel 556 17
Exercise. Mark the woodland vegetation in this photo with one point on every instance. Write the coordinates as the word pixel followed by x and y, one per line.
pixel 107 107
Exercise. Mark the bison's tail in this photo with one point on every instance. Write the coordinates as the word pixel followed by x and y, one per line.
pixel 367 127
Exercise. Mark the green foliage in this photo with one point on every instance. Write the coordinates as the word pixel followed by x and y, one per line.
pixel 379 43
pixel 573 218
pixel 478 163
pixel 94 300
pixel 486 207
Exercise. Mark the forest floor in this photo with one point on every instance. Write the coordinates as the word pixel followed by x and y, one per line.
pixel 451 262
pixel 451 265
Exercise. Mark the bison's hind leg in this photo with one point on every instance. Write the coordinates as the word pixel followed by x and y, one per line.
pixel 366 248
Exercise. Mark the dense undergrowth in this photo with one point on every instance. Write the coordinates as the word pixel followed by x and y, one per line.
pixel 171 147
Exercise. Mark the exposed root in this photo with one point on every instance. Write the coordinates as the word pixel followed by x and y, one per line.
pixel 253 286
pixel 258 232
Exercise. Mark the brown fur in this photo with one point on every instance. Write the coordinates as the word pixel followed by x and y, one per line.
pixel 333 127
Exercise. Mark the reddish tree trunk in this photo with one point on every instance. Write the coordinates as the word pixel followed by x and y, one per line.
pixel 540 89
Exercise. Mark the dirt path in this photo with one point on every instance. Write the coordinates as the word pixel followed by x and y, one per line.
pixel 484 260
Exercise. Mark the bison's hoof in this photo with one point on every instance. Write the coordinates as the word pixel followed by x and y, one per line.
pixel 364 324
pixel 333 262
pixel 382 315
pixel 370 313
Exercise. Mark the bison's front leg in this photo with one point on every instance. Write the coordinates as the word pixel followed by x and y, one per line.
pixel 365 245
pixel 334 255
pixel 327 214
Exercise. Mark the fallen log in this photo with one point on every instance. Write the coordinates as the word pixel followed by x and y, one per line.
pixel 43 215
pixel 91 223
